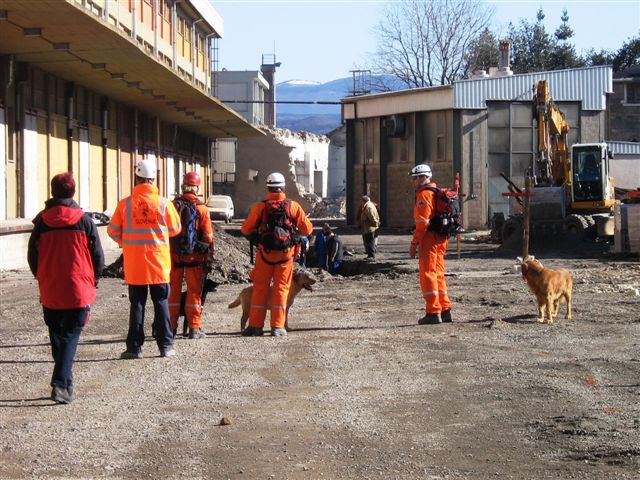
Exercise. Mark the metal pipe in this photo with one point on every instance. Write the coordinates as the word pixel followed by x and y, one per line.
pixel 105 125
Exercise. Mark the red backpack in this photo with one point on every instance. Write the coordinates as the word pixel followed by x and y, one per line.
pixel 277 230
pixel 446 218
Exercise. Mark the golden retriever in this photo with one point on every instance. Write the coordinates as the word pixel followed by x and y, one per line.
pixel 550 287
pixel 300 280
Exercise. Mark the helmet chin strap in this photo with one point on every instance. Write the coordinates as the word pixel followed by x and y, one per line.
pixel 424 180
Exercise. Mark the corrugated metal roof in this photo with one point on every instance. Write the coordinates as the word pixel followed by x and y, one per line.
pixel 624 147
pixel 590 85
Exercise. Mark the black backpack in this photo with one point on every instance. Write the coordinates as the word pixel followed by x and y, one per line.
pixel 446 219
pixel 277 230
pixel 187 242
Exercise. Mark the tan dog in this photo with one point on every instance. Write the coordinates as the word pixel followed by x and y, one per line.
pixel 299 280
pixel 551 287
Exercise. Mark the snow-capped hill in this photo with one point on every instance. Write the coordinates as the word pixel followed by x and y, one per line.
pixel 301 83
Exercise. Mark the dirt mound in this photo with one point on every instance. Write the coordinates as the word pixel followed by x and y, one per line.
pixel 231 263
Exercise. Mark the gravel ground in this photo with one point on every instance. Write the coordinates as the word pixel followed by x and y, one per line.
pixel 357 389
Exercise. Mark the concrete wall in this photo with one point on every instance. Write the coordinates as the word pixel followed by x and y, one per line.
pixel 625 170
pixel 337 168
pixel 13 247
pixel 474 168
pixel 624 120
pixel 294 155
pixel 592 126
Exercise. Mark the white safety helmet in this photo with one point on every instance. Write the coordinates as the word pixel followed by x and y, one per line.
pixel 420 170
pixel 146 169
pixel 275 180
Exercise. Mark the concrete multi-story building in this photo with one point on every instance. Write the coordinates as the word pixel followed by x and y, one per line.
pixel 93 86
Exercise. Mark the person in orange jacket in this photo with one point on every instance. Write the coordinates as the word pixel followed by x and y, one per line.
pixel 193 267
pixel 275 256
pixel 430 248
pixel 142 225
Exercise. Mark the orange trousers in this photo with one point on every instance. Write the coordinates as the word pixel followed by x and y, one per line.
pixel 432 270
pixel 262 274
pixel 194 276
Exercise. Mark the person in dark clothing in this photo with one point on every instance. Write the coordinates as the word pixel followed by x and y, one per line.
pixel 66 257
pixel 334 250
pixel 301 251
pixel 320 247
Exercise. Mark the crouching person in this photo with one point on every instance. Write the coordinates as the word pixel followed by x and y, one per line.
pixel 66 257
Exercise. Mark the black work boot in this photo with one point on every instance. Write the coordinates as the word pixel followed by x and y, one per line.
pixel 430 319
pixel 252 332
pixel 61 395
pixel 446 316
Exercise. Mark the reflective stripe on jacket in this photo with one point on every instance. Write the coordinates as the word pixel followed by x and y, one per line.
pixel 142 225
pixel 300 220
pixel 423 212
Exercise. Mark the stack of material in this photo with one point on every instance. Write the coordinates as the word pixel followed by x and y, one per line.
pixel 627 228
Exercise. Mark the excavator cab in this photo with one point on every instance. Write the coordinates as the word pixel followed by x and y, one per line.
pixel 591 186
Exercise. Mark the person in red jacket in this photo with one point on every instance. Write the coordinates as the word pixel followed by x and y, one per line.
pixel 272 263
pixel 66 257
pixel 430 247
pixel 193 267
pixel 142 225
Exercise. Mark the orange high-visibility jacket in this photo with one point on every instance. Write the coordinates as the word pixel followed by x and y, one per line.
pixel 302 223
pixel 423 212
pixel 142 225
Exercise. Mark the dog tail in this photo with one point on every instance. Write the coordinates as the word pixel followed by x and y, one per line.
pixel 235 303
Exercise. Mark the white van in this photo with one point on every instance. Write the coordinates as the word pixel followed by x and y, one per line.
pixel 220 207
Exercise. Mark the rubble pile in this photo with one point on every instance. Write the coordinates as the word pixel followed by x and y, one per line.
pixel 231 263
pixel 326 207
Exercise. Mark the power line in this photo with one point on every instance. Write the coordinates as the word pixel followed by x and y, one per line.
pixel 296 102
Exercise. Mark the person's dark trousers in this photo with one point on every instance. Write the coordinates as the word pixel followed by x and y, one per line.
pixel 138 300
pixel 369 241
pixel 65 327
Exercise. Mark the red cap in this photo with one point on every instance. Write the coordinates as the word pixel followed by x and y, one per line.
pixel 63 185
pixel 192 179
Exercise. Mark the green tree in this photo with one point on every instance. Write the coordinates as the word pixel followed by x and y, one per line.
pixel 531 45
pixel 563 54
pixel 483 52
pixel 628 55
pixel 594 58
pixel 424 43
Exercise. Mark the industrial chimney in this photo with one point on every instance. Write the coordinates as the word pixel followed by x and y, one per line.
pixel 504 63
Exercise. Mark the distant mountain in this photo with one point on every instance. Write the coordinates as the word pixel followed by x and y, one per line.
pixel 312 117
pixel 318 124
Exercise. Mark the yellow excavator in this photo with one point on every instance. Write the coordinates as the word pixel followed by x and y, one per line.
pixel 573 192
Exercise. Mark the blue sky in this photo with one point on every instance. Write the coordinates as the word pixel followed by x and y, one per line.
pixel 322 40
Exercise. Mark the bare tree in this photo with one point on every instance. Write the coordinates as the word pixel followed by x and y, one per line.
pixel 424 42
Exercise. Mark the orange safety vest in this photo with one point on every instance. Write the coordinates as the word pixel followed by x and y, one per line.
pixel 302 223
pixel 142 225
pixel 423 212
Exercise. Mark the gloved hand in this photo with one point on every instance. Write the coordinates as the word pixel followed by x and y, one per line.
pixel 413 249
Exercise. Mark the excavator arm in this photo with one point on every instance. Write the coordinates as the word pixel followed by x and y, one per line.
pixel 552 154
